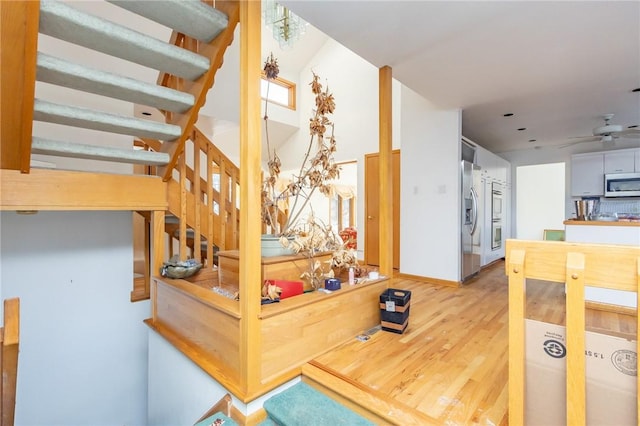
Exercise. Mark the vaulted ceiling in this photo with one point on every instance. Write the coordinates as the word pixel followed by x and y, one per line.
pixel 556 66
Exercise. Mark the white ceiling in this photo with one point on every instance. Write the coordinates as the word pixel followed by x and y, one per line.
pixel 557 66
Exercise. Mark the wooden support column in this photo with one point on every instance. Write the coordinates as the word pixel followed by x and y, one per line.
pixel 250 226
pixel 386 171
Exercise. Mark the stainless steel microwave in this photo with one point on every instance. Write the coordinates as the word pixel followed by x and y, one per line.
pixel 622 185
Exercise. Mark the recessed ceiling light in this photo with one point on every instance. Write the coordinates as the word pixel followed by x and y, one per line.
pixel 146 113
pixel 522 128
pixel 637 89
pixel 509 114
pixel 632 126
pixel 532 140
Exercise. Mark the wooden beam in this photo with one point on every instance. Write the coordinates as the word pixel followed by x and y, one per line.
pixel 67 190
pixel 19 43
pixel 386 172
pixel 250 226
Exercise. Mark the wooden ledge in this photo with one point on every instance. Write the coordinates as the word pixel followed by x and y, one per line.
pixel 600 223
pixel 306 299
pixel 368 402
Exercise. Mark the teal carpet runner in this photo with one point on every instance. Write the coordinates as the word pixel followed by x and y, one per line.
pixel 302 405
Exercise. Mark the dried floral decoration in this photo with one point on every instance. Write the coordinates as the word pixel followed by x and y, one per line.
pixel 317 168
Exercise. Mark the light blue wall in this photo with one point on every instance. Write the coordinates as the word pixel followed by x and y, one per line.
pixel 83 345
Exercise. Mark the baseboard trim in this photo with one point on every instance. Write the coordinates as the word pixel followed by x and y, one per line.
pixel 608 307
pixel 437 281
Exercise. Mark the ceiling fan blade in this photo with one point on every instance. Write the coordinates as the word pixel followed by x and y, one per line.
pixel 581 137
pixel 591 139
pixel 630 133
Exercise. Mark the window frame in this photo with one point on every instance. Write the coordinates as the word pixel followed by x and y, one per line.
pixel 291 89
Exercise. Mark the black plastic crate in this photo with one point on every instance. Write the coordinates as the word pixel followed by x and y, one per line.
pixel 395 305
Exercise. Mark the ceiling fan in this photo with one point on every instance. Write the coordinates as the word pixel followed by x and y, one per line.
pixel 606 134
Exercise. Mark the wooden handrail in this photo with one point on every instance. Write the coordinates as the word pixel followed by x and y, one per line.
pixel 576 265
pixel 9 360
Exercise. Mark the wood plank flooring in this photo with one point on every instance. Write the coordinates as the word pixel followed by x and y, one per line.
pixel 451 363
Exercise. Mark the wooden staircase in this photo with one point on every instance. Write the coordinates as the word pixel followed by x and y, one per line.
pixel 171 150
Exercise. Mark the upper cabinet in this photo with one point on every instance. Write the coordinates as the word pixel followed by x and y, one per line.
pixel 493 167
pixel 587 175
pixel 620 161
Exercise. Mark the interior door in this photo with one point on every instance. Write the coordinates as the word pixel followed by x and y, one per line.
pixel 372 208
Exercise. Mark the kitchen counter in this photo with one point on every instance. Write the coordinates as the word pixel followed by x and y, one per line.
pixel 591 231
pixel 601 223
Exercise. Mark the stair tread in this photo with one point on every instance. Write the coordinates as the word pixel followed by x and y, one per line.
pixel 97 120
pixel 62 21
pixel 73 150
pixel 61 72
pixel 191 17
pixel 301 404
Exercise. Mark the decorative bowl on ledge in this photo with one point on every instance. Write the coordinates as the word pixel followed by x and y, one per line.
pixel 177 269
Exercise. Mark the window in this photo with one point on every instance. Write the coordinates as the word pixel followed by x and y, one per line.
pixel 281 92
pixel 342 212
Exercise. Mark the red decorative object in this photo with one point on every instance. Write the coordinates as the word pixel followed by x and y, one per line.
pixel 349 237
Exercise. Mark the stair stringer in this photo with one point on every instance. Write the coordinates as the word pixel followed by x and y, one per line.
pixel 215 51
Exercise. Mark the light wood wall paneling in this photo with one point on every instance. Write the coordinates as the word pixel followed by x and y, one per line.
pixel 300 332
pixel 250 151
pixel 184 211
pixel 202 325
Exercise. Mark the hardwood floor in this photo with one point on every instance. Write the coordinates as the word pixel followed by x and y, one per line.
pixel 451 363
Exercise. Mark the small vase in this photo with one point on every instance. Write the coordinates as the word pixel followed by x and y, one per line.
pixel 270 246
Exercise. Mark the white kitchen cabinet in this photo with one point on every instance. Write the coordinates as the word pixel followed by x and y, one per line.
pixel 637 152
pixel 620 162
pixel 587 175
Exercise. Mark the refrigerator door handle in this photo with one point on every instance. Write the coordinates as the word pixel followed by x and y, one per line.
pixel 474 211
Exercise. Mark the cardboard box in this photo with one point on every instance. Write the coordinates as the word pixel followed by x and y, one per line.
pixel 611 364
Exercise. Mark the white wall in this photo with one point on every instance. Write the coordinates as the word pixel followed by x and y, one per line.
pixel 83 345
pixel 181 393
pixel 430 189
pixel 354 84
pixel 543 206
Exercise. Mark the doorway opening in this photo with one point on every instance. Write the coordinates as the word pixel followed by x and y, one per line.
pixel 540 199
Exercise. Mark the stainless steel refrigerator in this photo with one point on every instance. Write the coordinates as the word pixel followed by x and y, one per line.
pixel 471 219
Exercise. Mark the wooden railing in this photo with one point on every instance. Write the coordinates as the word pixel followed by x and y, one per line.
pixel 576 265
pixel 208 206
pixel 196 193
pixel 10 338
